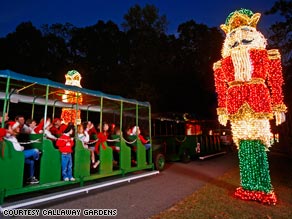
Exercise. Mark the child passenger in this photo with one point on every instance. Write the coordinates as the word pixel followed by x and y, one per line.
pixel 92 133
pixel 102 137
pixel 65 144
pixel 83 135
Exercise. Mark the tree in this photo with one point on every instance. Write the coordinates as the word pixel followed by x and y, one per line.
pixel 199 47
pixel 146 41
pixel 23 50
pixel 144 19
pixel 58 57
pixel 98 51
pixel 281 38
pixel 140 62
pixel 281 31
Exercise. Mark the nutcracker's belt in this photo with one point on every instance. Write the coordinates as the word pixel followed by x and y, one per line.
pixel 252 81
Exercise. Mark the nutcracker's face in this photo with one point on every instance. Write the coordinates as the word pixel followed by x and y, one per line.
pixel 245 37
pixel 73 78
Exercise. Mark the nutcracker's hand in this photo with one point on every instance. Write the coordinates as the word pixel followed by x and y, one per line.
pixel 222 116
pixel 280 117
pixel 223 119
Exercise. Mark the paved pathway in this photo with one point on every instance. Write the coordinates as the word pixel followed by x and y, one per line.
pixel 148 196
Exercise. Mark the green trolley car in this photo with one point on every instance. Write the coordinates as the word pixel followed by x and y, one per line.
pixel 42 98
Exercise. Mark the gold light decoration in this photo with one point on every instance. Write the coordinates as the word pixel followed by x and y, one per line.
pixel 240 18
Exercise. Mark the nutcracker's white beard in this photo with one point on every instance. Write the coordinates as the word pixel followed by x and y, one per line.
pixel 242 64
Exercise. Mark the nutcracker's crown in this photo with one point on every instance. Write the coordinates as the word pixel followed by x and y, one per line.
pixel 73 75
pixel 242 17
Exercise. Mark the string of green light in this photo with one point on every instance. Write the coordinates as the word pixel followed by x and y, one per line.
pixel 254 166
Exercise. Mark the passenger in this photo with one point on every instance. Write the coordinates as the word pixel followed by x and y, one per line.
pixel 115 132
pixel 47 127
pixel 128 132
pixel 65 144
pixel 48 133
pixel 136 131
pixel 5 117
pixel 3 130
pixel 30 155
pixel 58 128
pixel 112 129
pixel 22 126
pixel 83 135
pixel 102 137
pixel 130 144
pixel 90 129
pixel 31 124
pixel 116 149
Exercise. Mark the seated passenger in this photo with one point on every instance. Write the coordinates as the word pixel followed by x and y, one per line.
pixel 47 127
pixel 5 117
pixel 130 143
pixel 102 137
pixel 23 128
pixel 31 124
pixel 83 135
pixel 136 131
pixel 57 128
pixel 30 155
pixel 128 132
pixel 3 130
pixel 116 148
pixel 90 129
pixel 65 144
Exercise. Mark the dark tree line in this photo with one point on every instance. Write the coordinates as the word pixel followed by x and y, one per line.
pixel 139 60
pixel 280 36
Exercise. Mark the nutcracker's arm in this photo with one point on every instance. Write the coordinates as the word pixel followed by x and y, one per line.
pixel 221 89
pixel 275 81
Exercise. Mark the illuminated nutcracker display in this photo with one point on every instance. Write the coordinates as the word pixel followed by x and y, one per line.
pixel 248 81
pixel 73 78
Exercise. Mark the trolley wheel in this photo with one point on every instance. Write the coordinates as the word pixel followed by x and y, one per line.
pixel 159 161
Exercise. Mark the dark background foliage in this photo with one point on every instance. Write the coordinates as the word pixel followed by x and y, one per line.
pixel 139 59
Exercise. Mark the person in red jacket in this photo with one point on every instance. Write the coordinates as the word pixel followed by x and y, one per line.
pixel 65 144
pixel 58 127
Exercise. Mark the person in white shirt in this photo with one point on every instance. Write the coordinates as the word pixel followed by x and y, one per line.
pixel 30 155
pixel 83 135
pixel 31 125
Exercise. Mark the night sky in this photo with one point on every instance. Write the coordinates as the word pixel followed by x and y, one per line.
pixel 88 12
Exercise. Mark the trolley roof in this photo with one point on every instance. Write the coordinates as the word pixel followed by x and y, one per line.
pixel 28 89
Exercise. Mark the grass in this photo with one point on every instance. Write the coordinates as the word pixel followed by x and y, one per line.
pixel 216 200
